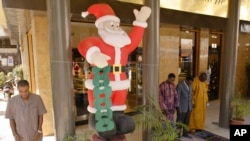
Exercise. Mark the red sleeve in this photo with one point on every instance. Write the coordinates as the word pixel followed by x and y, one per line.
pixel 87 43
pixel 135 35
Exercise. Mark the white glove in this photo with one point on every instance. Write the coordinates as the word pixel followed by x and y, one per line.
pixel 143 14
pixel 99 59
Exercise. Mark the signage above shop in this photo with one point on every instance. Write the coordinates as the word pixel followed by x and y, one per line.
pixel 245 27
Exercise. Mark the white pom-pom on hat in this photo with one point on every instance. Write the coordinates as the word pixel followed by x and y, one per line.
pixel 85 14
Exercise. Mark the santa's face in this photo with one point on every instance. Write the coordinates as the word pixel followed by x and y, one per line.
pixel 112 34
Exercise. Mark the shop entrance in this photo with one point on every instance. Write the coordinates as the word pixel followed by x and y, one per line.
pixel 189 56
pixel 214 55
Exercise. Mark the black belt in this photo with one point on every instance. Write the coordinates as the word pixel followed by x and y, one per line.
pixel 117 68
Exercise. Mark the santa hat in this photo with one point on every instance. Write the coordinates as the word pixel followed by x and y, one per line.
pixel 102 12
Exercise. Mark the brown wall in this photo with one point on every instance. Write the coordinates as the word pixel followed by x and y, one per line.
pixel 203 50
pixel 169 52
pixel 242 60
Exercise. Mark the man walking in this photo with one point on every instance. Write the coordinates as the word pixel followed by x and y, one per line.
pixel 25 112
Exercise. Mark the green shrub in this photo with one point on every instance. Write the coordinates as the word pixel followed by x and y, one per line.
pixel 2 78
pixel 151 118
pixel 241 107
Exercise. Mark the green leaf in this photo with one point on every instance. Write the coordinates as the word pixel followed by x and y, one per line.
pixel 151 118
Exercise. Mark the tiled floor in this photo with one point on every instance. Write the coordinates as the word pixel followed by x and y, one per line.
pixel 211 117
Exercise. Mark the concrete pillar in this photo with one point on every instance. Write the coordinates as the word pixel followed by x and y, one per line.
pixel 151 54
pixel 229 62
pixel 60 58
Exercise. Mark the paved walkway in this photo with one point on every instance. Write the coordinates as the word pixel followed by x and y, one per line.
pixel 5 131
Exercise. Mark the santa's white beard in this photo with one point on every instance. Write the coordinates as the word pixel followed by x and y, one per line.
pixel 114 38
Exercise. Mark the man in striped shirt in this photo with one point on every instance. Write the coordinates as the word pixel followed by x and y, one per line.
pixel 168 97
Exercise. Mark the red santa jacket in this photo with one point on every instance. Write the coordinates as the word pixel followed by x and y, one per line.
pixel 119 56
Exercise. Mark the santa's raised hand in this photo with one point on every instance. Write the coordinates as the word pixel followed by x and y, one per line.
pixel 143 14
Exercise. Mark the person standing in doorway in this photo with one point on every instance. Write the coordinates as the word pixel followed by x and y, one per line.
pixel 184 91
pixel 168 97
pixel 200 99
pixel 25 112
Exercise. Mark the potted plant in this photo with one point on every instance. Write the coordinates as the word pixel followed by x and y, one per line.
pixel 240 109
pixel 151 118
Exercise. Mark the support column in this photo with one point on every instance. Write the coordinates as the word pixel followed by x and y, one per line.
pixel 60 58
pixel 229 63
pixel 151 54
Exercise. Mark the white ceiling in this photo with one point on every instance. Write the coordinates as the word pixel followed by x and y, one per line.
pixel 3 25
pixel 207 7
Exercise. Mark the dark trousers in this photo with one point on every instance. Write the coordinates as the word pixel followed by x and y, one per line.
pixel 184 118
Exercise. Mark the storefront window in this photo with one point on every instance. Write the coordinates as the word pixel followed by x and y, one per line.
pixel 186 63
pixel 80 71
pixel 134 73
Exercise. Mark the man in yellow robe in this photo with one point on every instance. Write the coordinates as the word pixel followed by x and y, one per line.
pixel 200 99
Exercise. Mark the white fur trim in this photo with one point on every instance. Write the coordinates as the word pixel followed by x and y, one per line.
pixel 106 18
pixel 90 52
pixel 117 61
pixel 115 85
pixel 85 14
pixel 141 24
pixel 113 108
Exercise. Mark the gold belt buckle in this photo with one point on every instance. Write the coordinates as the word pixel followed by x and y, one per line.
pixel 115 66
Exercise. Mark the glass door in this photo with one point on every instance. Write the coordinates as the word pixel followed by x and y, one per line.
pixel 134 74
pixel 80 70
pixel 214 65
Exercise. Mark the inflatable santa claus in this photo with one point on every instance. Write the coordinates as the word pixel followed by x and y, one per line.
pixel 108 84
